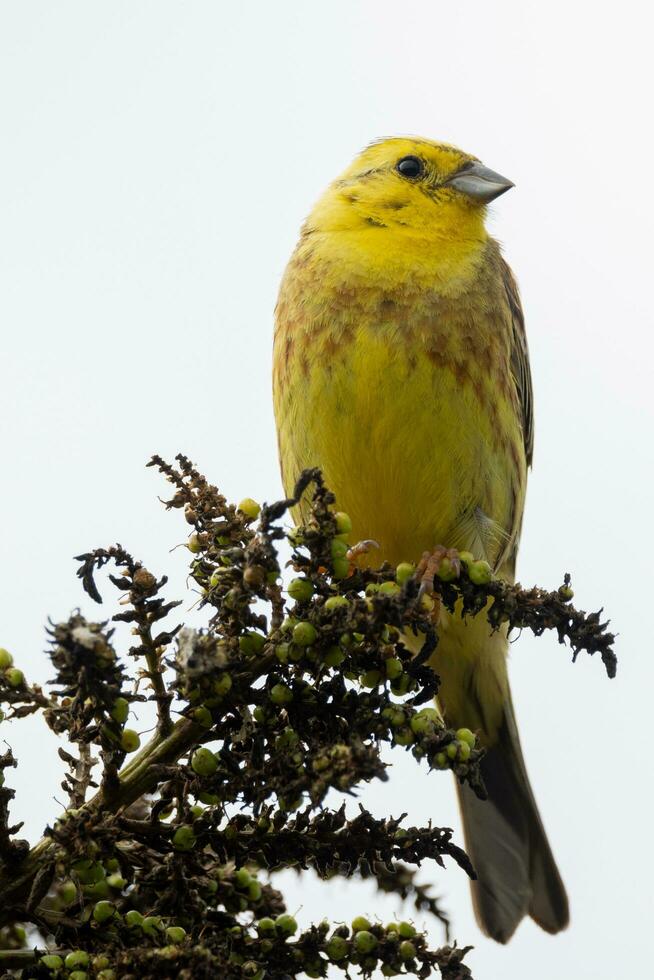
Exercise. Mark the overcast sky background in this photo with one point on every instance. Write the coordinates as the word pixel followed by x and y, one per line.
pixel 157 160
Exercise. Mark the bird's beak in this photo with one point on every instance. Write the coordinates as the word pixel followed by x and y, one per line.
pixel 480 183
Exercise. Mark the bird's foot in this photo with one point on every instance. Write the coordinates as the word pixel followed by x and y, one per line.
pixel 443 563
pixel 360 548
pixel 357 551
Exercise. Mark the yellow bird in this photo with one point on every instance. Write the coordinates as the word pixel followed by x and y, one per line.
pixel 401 370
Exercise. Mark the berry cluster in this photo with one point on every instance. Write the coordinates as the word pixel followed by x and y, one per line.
pixel 164 866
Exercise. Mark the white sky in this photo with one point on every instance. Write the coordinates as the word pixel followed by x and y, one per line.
pixel 157 160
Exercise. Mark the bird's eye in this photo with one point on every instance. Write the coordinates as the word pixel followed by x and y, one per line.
pixel 410 167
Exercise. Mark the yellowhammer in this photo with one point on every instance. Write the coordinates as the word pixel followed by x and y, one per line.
pixel 401 370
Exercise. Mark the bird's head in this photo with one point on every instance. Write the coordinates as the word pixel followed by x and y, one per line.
pixel 414 188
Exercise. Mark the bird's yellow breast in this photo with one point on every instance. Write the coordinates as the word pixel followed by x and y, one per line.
pixel 396 382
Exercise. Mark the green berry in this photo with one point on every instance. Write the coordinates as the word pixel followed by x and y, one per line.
pixel 343 522
pixel 337 948
pixel 281 694
pixel 255 891
pixel 79 957
pixel 395 716
pixel 360 924
pixel 466 557
pixel 106 975
pixel 175 934
pixel 364 941
pixel 304 634
pixel 404 736
pixel 566 593
pixel 194 544
pixel 296 653
pixel 465 735
pixel 202 716
pixel 404 571
pixel 184 838
pixel 480 572
pixel 116 881
pixel 67 892
pixel 407 950
pixel 407 930
pixel 439 760
pixel 265 926
pixel 52 961
pixel 88 872
pixel 452 750
pixel 129 740
pixel 282 651
pixel 102 911
pixel 252 971
pixel 371 679
pixel 286 924
pixel 133 919
pixel 223 684
pixel 334 657
pixel 389 588
pixel 151 925
pixel 300 589
pixel 447 570
pixel 209 799
pixel 394 668
pixel 336 602
pixel 425 721
pixel 120 710
pixel 341 567
pixel 14 677
pixel 251 643
pixel 99 890
pixel 6 660
pixel 242 878
pixel 338 548
pixel 250 508
pixel 464 751
pixel 78 975
pixel 204 762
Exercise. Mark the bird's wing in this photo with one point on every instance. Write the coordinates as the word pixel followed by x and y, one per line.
pixel 520 360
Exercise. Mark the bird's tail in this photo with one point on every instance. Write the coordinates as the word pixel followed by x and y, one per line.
pixel 505 839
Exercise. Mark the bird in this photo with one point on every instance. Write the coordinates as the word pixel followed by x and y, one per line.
pixel 401 370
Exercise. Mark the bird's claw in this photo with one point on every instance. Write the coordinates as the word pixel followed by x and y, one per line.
pixel 360 548
pixel 444 563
